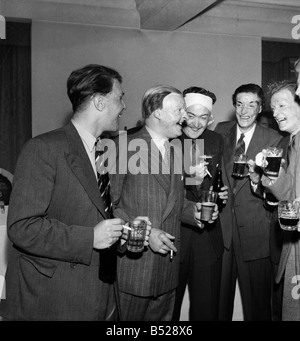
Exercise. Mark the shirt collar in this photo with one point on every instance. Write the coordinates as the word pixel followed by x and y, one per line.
pixel 158 139
pixel 294 133
pixel 86 136
pixel 248 134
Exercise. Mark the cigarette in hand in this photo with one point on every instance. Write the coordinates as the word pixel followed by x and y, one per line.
pixel 207 171
pixel 171 254
pixel 126 227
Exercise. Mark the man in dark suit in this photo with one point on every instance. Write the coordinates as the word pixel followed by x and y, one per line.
pixel 57 220
pixel 245 224
pixel 152 186
pixel 201 249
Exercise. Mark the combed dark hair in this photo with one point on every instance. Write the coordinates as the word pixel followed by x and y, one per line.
pixel 250 88
pixel 202 91
pixel 275 87
pixel 89 80
pixel 153 98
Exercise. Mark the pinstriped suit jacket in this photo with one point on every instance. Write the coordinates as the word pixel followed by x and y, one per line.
pixel 52 271
pixel 160 197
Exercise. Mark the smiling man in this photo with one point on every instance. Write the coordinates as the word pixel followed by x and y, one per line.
pixel 245 225
pixel 57 220
pixel 286 111
pixel 147 281
pixel 202 249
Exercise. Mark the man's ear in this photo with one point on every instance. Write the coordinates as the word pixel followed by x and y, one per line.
pixel 260 109
pixel 98 102
pixel 156 114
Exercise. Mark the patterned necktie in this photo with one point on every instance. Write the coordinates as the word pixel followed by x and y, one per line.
pixel 194 152
pixel 104 185
pixel 239 150
pixel 240 146
pixel 289 151
pixel 108 257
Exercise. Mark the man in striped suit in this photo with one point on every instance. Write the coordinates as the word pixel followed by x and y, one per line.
pixel 148 280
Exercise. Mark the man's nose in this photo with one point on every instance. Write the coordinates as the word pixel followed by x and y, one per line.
pixel 275 112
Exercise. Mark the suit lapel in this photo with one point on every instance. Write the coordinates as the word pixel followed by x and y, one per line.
pixel 80 164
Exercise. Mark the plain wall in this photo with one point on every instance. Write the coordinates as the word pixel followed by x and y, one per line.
pixel 220 63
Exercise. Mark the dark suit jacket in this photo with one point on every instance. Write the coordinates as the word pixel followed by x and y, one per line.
pixel 158 196
pixel 245 210
pixel 209 239
pixel 52 271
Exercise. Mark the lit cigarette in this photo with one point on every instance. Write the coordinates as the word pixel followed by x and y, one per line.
pixel 171 254
pixel 126 227
pixel 207 171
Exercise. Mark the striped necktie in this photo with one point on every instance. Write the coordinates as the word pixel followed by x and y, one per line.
pixel 194 152
pixel 108 257
pixel 104 185
pixel 240 146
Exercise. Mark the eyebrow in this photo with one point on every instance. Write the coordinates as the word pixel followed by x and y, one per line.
pixel 248 102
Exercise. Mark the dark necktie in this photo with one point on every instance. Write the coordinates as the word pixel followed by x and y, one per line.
pixel 240 146
pixel 108 257
pixel 194 152
pixel 239 150
pixel 289 151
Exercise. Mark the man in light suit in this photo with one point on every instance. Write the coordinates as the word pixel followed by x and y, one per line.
pixel 201 249
pixel 57 220
pixel 286 110
pixel 147 280
pixel 245 225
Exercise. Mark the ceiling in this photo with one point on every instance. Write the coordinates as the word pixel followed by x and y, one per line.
pixel 165 15
pixel 173 14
